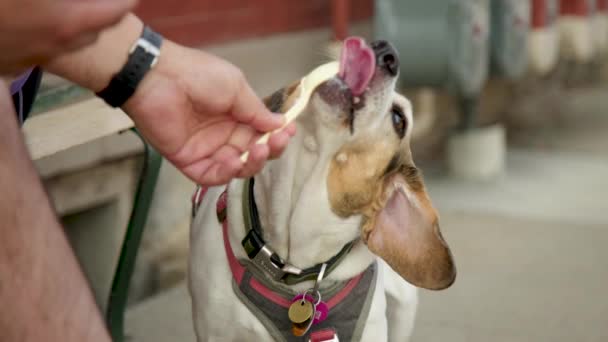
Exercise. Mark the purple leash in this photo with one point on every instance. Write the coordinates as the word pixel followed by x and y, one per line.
pixel 23 91
pixel 15 90
pixel 19 82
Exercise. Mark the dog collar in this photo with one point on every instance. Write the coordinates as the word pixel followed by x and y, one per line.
pixel 268 260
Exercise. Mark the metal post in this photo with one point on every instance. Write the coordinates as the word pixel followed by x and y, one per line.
pixel 117 301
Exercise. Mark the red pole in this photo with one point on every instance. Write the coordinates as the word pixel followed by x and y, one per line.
pixel 575 8
pixel 340 13
pixel 539 14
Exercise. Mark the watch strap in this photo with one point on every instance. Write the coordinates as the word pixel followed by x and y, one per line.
pixel 142 57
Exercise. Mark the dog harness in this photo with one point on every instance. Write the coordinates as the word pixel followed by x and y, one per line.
pixel 348 303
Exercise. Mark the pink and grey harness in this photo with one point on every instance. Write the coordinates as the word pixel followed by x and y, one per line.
pixel 347 304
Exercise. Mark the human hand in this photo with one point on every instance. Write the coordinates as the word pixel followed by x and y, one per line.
pixel 34 31
pixel 200 113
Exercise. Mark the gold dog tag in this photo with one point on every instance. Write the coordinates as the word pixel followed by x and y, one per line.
pixel 301 314
pixel 300 311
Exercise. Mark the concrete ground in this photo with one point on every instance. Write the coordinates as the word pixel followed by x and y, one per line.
pixel 530 246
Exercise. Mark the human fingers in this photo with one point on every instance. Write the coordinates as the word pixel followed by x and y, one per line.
pixel 258 155
pixel 216 170
pixel 221 173
pixel 278 141
pixel 249 109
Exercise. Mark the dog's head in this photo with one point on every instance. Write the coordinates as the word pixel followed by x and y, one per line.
pixel 363 126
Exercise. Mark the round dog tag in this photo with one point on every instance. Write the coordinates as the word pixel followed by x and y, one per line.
pixel 321 309
pixel 300 311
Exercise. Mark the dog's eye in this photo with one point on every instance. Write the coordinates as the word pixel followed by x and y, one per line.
pixel 399 121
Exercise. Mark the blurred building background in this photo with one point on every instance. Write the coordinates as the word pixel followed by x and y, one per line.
pixel 511 112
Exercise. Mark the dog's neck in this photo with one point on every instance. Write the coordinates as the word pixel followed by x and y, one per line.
pixel 294 209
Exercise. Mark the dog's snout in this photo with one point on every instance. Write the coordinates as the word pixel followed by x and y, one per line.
pixel 386 56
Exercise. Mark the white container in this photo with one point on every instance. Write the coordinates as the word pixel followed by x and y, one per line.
pixel 478 154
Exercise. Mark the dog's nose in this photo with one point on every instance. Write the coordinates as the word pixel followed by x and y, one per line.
pixel 386 56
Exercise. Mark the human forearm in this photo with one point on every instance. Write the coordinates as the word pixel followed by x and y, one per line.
pixel 94 66
pixel 196 109
pixel 44 294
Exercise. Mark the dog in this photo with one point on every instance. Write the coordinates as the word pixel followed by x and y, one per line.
pixel 341 219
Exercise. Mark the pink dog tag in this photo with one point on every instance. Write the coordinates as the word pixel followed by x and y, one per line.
pixel 321 309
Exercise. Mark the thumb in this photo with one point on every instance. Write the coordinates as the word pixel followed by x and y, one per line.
pixel 250 110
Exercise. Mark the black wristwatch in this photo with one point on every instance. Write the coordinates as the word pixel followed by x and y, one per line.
pixel 142 57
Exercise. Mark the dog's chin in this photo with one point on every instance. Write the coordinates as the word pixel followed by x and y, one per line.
pixel 337 96
pixel 338 99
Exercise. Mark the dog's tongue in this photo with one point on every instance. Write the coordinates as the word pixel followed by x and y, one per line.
pixel 357 64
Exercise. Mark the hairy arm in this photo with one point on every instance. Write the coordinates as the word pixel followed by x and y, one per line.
pixel 196 109
pixel 44 294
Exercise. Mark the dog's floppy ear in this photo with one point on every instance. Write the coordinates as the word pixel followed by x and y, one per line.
pixel 404 231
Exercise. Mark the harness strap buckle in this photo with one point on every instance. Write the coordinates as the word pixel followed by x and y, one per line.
pixel 270 262
pixel 291 269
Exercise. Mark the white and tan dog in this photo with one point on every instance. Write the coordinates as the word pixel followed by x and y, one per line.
pixel 346 179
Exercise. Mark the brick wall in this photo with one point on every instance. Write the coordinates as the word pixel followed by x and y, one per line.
pixel 199 22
